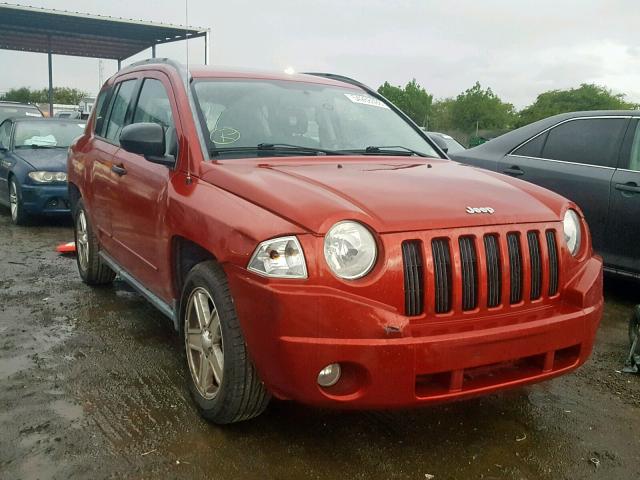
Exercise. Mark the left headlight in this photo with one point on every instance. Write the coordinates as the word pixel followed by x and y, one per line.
pixel 48 177
pixel 350 250
pixel 279 258
pixel 572 231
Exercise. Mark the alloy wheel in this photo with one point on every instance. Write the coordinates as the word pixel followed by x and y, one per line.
pixel 203 343
pixel 13 200
pixel 82 239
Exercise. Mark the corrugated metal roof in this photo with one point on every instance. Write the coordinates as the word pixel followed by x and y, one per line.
pixel 34 29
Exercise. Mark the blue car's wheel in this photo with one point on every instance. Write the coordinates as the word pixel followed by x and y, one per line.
pixel 18 216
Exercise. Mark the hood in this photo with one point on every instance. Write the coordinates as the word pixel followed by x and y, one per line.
pixel 48 159
pixel 390 194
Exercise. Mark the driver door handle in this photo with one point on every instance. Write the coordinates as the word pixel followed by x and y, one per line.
pixel 631 187
pixel 514 170
pixel 118 170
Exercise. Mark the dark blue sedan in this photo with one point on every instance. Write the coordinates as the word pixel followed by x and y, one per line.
pixel 33 165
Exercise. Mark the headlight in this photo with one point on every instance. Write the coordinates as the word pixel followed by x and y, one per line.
pixel 572 231
pixel 48 177
pixel 279 258
pixel 350 250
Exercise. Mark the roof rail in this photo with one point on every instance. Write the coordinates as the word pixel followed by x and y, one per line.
pixel 180 68
pixel 161 61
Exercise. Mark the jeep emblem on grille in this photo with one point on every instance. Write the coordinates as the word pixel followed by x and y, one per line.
pixel 473 210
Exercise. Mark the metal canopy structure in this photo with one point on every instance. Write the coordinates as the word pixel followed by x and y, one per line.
pixel 32 29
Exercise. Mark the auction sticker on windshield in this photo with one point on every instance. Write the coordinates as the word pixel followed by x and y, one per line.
pixel 365 100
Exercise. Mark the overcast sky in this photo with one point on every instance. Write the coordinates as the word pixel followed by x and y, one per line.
pixel 517 48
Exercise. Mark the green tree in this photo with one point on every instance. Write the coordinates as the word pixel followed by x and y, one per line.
pixel 441 117
pixel 481 108
pixel 586 97
pixel 64 95
pixel 412 99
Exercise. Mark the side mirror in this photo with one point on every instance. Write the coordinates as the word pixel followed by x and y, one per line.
pixel 146 139
pixel 440 142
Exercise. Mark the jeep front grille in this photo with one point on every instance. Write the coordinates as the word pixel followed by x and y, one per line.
pixel 460 273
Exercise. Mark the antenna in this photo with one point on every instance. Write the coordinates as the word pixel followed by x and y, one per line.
pixel 187 83
pixel 100 74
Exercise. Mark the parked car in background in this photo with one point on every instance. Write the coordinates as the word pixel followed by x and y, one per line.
pixel 33 165
pixel 310 242
pixel 447 143
pixel 16 109
pixel 592 158
pixel 72 114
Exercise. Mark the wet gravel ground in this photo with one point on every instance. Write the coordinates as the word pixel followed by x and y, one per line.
pixel 92 386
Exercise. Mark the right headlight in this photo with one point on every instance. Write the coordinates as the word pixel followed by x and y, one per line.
pixel 572 231
pixel 350 250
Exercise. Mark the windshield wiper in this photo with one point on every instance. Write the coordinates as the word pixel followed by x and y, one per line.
pixel 36 146
pixel 387 150
pixel 275 147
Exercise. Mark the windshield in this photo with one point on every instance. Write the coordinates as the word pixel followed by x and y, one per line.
pixel 46 133
pixel 7 111
pixel 248 113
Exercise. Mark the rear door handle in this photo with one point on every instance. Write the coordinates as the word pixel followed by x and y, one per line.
pixel 631 187
pixel 514 170
pixel 118 170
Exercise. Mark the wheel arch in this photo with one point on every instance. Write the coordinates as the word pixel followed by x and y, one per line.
pixel 74 196
pixel 186 254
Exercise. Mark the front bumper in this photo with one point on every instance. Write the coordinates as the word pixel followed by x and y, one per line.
pixel 399 363
pixel 45 199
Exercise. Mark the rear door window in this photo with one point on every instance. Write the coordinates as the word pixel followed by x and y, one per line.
pixel 590 141
pixel 119 106
pixel 633 162
pixel 102 105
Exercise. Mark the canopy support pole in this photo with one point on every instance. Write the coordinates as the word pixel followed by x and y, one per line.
pixel 153 51
pixel 50 61
pixel 207 47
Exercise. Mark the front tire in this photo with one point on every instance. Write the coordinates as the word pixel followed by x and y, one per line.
pixel 91 267
pixel 222 379
pixel 18 215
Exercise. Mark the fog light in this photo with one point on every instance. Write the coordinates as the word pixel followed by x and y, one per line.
pixel 329 375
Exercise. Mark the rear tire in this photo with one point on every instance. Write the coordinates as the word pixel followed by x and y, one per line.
pixel 18 215
pixel 222 379
pixel 91 267
pixel 634 328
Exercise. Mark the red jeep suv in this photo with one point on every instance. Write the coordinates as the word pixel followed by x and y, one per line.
pixel 310 242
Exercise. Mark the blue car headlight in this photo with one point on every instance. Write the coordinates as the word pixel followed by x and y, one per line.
pixel 48 177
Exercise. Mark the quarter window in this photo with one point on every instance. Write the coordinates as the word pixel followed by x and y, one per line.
pixel 119 106
pixel 154 107
pixel 592 141
pixel 533 148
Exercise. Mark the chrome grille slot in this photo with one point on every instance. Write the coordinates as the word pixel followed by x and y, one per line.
pixel 552 248
pixel 536 264
pixel 442 274
pixel 515 267
pixel 494 270
pixel 413 277
pixel 469 265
